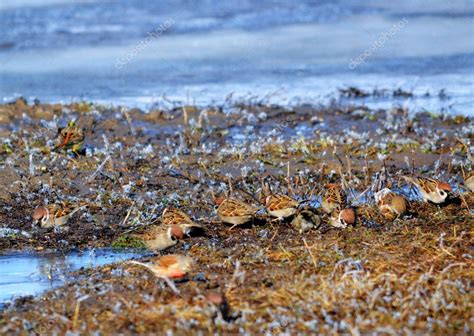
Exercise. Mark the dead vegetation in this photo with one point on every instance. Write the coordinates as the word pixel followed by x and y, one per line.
pixel 413 275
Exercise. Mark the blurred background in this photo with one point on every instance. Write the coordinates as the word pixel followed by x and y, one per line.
pixel 135 52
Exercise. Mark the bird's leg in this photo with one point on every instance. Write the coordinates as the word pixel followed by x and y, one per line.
pixel 278 219
pixel 233 226
pixel 170 284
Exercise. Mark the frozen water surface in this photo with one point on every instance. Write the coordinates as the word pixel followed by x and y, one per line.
pixel 30 273
pixel 70 50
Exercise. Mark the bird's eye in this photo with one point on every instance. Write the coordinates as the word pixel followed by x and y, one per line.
pixel 442 193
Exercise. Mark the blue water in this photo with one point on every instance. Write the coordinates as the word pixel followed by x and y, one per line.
pixel 30 273
pixel 203 50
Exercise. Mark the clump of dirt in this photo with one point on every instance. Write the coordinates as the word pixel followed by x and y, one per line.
pixel 379 276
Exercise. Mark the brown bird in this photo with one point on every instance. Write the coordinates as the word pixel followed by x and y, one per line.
pixel 70 137
pixel 172 266
pixel 342 218
pixel 280 206
pixel 430 189
pixel 305 220
pixel 160 237
pixel 174 217
pixel 391 205
pixel 233 211
pixel 54 214
pixel 333 198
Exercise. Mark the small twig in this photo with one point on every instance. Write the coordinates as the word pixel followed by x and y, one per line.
pixel 274 235
pixel 76 315
pixel 76 311
pixel 367 170
pixel 360 195
pixel 231 190
pixel 452 265
pixel 185 117
pixel 313 259
pixel 288 179
pixel 463 173
pixel 128 214
pixel 441 244
pixel 464 202
pixel 99 168
pixel 338 157
pixel 349 167
pixel 234 276
pixel 129 121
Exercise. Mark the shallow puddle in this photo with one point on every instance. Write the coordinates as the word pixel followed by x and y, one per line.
pixel 30 273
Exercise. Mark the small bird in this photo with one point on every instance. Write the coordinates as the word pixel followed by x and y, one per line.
pixel 54 214
pixel 469 181
pixel 343 218
pixel 280 206
pixel 159 237
pixel 172 266
pixel 175 217
pixel 305 220
pixel 391 205
pixel 70 137
pixel 333 198
pixel 430 189
pixel 233 211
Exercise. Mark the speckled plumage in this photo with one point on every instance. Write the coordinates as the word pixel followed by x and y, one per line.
pixel 235 212
pixel 430 189
pixel 333 198
pixel 390 204
pixel 281 206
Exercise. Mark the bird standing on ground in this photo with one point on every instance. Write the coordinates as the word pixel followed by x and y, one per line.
pixel 172 266
pixel 280 206
pixel 233 211
pixel 390 204
pixel 430 189
pixel 334 202
pixel 342 218
pixel 160 237
pixel 71 137
pixel 333 198
pixel 305 220
pixel 54 214
pixel 175 217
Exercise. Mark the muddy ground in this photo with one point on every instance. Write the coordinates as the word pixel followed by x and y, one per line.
pixel 411 275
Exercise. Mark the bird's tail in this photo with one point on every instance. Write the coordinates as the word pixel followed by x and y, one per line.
pixel 76 210
pixel 410 179
pixel 134 262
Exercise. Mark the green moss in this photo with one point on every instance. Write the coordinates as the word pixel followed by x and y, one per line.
pixel 128 242
pixel 7 149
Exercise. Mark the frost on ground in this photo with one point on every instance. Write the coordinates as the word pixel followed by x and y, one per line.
pixel 412 275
